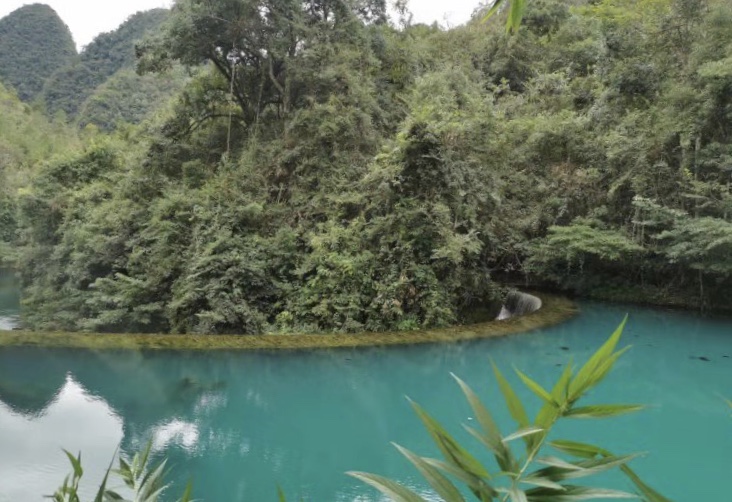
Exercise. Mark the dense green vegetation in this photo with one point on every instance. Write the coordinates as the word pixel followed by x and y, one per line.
pixel 34 43
pixel 72 85
pixel 97 87
pixel 554 310
pixel 326 171
pixel 26 139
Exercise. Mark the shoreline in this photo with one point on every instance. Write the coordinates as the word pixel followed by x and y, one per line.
pixel 555 310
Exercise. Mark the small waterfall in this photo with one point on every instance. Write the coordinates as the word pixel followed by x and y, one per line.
pixel 517 304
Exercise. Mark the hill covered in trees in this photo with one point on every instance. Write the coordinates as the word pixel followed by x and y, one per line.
pixel 98 86
pixel 68 88
pixel 328 171
pixel 34 43
pixel 27 138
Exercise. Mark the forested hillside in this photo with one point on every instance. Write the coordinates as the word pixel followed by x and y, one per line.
pixel 26 139
pixel 34 43
pixel 70 86
pixel 328 171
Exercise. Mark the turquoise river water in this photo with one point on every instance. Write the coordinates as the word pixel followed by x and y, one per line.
pixel 241 423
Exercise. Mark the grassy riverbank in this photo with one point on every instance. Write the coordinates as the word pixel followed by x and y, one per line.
pixel 554 311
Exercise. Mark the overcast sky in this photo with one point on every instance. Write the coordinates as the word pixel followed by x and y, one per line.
pixel 87 18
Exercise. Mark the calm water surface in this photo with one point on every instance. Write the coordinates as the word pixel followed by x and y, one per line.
pixel 241 423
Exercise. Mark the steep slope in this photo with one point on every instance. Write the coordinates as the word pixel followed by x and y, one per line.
pixel 27 138
pixel 71 85
pixel 128 98
pixel 34 43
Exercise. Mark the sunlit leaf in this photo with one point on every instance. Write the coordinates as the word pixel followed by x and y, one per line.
pixel 491 436
pixel 450 448
pixel 588 374
pixel 394 491
pixel 536 388
pixel 603 410
pixel 432 475
pixel 515 407
pixel 575 494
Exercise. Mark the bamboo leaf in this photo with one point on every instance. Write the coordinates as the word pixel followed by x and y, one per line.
pixel 543 482
pixel 603 410
pixel 515 407
pixel 558 462
pixel 549 413
pixel 188 493
pixel 649 493
pixel 432 475
pixel 450 448
pixel 582 450
pixel 491 438
pixel 503 455
pixel 515 15
pixel 478 486
pixel 494 8
pixel 585 450
pixel 393 490
pixel 536 388
pixel 559 470
pixel 517 495
pixel 101 493
pixel 75 464
pixel 521 433
pixel 576 493
pixel 485 419
pixel 587 374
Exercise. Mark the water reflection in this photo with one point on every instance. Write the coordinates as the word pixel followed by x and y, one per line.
pixel 239 423
pixel 31 442
pixel 95 402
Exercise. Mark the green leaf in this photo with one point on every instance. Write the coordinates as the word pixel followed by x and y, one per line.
pixel 188 493
pixel 281 494
pixel 549 412
pixel 560 470
pixel 649 493
pixel 451 449
pixel 494 8
pixel 585 450
pixel 589 374
pixel 603 410
pixel 515 494
pixel 558 462
pixel 393 490
pixel 515 15
pixel 503 456
pixel 542 481
pixel 101 493
pixel 492 437
pixel 75 464
pixel 582 450
pixel 521 433
pixel 536 388
pixel 440 483
pixel 576 493
pixel 515 407
pixel 477 485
